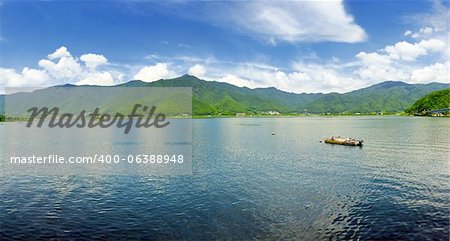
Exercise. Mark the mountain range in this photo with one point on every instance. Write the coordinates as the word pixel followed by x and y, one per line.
pixel 210 97
pixel 219 98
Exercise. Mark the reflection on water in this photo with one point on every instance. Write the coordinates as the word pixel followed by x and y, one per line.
pixel 250 184
pixel 98 151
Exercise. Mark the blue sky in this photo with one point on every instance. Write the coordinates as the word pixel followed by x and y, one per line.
pixel 296 46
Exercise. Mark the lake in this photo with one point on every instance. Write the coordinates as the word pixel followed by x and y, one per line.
pixel 247 183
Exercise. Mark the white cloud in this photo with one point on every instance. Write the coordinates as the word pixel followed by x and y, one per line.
pixel 373 58
pixel 328 76
pixel 27 78
pixel 415 35
pixel 400 62
pixel 405 51
pixel 437 72
pixel 374 73
pixel 60 67
pixel 232 79
pixel 379 66
pixel 278 21
pixel 93 60
pixel 9 76
pixel 426 30
pixel 99 78
pixel 197 70
pixel 434 23
pixel 409 52
pixel 302 78
pixel 294 21
pixel 66 67
pixel 35 76
pixel 421 61
pixel 433 45
pixel 59 53
pixel 153 73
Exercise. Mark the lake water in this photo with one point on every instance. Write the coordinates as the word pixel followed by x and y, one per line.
pixel 250 184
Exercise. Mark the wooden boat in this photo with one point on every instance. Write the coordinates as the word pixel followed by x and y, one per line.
pixel 344 141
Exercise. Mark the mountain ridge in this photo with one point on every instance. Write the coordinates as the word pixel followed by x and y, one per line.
pixel 220 98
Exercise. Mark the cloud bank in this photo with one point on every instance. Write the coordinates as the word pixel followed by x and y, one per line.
pixel 296 21
pixel 60 67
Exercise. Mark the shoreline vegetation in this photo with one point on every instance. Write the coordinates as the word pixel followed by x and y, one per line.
pixel 399 114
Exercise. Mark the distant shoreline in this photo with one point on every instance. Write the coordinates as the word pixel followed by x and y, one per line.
pixel 306 116
pixel 2 118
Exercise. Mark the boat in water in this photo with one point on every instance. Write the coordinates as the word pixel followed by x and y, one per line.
pixel 344 141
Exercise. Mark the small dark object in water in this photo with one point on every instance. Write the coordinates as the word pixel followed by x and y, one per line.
pixel 273 134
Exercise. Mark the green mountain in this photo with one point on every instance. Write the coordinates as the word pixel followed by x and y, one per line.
pixel 214 98
pixel 390 96
pixel 210 97
pixel 110 99
pixel 435 100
